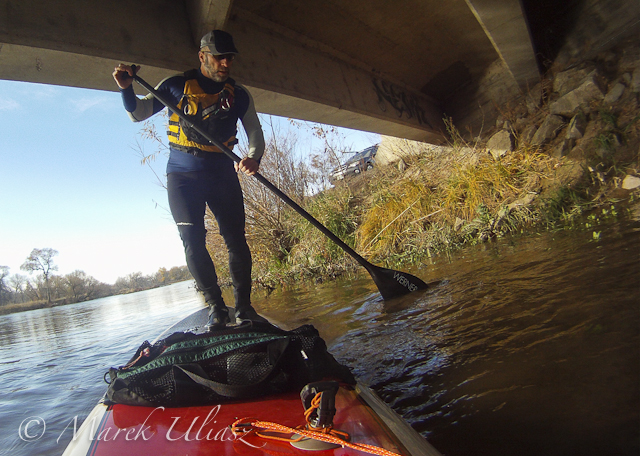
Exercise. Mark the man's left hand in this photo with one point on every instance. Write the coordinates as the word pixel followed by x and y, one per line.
pixel 247 165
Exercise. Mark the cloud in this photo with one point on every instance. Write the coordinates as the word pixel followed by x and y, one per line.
pixel 41 91
pixel 8 104
pixel 86 103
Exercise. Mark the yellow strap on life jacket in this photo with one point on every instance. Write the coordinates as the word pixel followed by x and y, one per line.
pixel 194 98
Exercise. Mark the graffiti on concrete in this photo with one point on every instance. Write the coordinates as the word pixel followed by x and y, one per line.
pixel 400 101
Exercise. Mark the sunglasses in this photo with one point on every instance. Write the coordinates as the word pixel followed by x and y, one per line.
pixel 219 58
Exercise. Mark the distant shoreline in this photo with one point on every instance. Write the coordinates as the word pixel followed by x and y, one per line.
pixel 35 305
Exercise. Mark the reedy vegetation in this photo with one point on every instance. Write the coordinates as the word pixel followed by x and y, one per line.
pixel 443 199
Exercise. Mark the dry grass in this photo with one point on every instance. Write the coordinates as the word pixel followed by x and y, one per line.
pixel 442 191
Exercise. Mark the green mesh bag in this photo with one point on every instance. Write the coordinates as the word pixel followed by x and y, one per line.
pixel 237 363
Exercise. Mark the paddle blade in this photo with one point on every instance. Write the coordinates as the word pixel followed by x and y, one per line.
pixel 395 283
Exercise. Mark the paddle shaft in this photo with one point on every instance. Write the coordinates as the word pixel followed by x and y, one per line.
pixel 229 153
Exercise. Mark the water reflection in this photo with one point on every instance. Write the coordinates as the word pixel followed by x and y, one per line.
pixel 527 347
pixel 52 360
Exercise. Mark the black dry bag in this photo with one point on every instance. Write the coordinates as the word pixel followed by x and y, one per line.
pixel 235 363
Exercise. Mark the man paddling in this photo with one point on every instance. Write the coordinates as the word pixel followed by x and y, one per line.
pixel 199 174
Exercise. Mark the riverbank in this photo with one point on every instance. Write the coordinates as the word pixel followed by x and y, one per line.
pixel 43 304
pixel 564 156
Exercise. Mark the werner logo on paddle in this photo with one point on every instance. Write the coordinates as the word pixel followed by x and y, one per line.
pixel 402 280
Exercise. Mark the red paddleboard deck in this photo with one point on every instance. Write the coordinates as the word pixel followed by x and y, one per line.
pixel 206 430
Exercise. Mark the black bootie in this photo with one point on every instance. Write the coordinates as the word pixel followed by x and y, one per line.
pixel 248 314
pixel 218 317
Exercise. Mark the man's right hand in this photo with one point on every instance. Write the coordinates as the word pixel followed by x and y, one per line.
pixel 123 75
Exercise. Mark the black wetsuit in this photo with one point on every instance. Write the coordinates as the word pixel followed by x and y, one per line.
pixel 198 179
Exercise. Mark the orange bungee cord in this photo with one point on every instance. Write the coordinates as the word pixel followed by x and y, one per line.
pixel 327 434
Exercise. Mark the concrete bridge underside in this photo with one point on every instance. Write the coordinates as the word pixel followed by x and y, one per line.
pixel 390 67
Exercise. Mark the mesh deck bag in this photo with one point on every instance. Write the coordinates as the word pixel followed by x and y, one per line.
pixel 186 369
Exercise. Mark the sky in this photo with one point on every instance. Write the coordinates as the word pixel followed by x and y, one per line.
pixel 71 179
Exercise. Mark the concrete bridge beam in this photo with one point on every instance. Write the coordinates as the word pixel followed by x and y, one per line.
pixel 394 68
pixel 313 82
pixel 207 15
pixel 79 43
pixel 507 29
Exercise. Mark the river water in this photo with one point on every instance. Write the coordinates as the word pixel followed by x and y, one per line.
pixel 525 346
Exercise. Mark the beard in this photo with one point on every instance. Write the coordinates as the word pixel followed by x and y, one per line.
pixel 212 73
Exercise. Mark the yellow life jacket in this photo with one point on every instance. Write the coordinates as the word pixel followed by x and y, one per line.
pixel 214 112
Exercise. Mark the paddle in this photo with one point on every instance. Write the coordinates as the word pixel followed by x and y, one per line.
pixel 390 283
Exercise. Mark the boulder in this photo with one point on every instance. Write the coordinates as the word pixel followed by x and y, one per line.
pixel 527 135
pixel 569 80
pixel 548 130
pixel 635 81
pixel 521 123
pixel 563 148
pixel 614 94
pixel 580 98
pixel 630 182
pixel 577 126
pixel 524 201
pixel 500 143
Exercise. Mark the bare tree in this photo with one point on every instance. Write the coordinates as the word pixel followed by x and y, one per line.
pixel 326 157
pixel 58 287
pixel 18 283
pixel 149 136
pixel 5 293
pixel 268 227
pixel 79 285
pixel 42 260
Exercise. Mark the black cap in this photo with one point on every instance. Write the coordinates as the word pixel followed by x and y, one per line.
pixel 219 42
